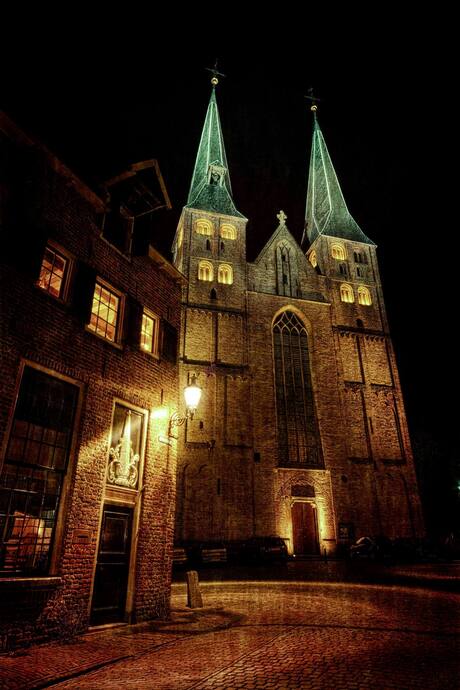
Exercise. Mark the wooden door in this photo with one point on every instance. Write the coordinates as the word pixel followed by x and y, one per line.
pixel 304 529
pixel 112 570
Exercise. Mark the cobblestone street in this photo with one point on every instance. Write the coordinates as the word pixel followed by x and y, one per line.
pixel 278 635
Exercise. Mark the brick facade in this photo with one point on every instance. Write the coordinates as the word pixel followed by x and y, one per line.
pixel 43 202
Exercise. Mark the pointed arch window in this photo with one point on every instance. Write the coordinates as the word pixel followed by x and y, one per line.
pixel 228 232
pixel 298 432
pixel 204 227
pixel 205 271
pixel 225 274
pixel 338 252
pixel 364 296
pixel 346 293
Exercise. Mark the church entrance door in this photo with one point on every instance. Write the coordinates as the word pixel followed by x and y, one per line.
pixel 304 528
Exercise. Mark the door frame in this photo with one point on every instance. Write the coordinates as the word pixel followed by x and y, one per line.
pixel 312 502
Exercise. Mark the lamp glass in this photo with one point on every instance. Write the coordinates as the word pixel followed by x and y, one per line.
pixel 192 395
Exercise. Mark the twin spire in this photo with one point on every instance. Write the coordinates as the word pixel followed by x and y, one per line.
pixel 211 190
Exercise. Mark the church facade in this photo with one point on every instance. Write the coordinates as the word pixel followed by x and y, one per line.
pixel 301 431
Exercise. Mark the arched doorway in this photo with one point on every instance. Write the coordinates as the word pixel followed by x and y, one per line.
pixel 304 528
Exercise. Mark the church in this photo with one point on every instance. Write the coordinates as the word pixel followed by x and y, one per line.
pixel 301 431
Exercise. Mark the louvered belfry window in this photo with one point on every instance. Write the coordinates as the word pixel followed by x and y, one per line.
pixel 298 432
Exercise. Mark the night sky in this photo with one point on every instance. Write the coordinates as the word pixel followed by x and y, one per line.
pixel 386 119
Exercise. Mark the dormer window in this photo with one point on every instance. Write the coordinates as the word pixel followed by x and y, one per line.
pixel 338 252
pixel 204 227
pixel 216 175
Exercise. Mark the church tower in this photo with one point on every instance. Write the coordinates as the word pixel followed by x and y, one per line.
pixel 210 250
pixel 379 485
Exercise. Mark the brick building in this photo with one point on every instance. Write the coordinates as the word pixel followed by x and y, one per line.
pixel 301 431
pixel 89 324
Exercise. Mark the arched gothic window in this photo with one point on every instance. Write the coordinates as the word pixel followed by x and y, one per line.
pixel 298 432
pixel 364 296
pixel 203 227
pixel 338 252
pixel 205 271
pixel 225 274
pixel 346 293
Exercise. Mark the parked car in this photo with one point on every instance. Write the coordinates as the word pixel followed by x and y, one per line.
pixel 205 553
pixel 265 549
pixel 375 548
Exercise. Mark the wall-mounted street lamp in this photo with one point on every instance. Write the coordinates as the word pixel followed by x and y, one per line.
pixel 192 395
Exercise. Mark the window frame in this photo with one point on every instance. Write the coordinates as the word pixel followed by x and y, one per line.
pixel 202 264
pixel 120 312
pixel 112 486
pixel 155 351
pixel 228 227
pixel 364 290
pixel 206 223
pixel 228 268
pixel 349 290
pixel 63 297
pixel 341 250
pixel 57 543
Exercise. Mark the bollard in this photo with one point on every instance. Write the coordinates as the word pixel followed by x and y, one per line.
pixel 194 598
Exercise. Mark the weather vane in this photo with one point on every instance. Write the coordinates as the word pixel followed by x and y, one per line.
pixel 214 80
pixel 313 100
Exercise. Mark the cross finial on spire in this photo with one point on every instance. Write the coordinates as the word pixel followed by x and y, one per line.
pixel 213 70
pixel 313 100
pixel 282 217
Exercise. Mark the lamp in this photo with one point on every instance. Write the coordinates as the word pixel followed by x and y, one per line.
pixel 192 395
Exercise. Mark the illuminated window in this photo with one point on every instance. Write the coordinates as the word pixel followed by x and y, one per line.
pixel 313 259
pixel 105 311
pixel 32 477
pixel 149 333
pixel 346 293
pixel 205 271
pixel 228 232
pixel 203 227
pixel 364 296
pixel 297 426
pixel 225 274
pixel 53 272
pixel 180 237
pixel 338 252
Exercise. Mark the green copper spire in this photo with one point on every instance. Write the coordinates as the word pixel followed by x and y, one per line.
pixel 327 212
pixel 211 189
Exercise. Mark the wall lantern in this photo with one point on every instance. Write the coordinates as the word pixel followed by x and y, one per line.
pixel 192 395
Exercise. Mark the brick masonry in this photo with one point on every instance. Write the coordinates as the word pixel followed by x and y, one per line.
pixel 45 332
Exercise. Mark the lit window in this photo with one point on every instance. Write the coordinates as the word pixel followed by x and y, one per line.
pixel 313 259
pixel 338 252
pixel 180 237
pixel 228 232
pixel 203 227
pixel 225 274
pixel 149 333
pixel 364 296
pixel 205 271
pixel 105 312
pixel 53 272
pixel 32 476
pixel 346 293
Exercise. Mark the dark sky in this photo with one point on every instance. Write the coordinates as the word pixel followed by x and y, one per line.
pixel 386 117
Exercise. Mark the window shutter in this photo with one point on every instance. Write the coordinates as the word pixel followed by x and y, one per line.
pixel 169 342
pixel 83 292
pixel 133 322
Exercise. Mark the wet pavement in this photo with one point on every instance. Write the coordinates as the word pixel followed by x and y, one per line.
pixel 267 634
